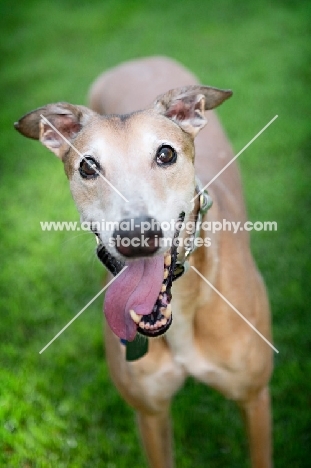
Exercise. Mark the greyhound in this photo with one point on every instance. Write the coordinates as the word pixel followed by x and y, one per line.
pixel 129 165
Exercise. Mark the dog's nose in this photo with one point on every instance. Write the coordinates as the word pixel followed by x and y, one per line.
pixel 138 237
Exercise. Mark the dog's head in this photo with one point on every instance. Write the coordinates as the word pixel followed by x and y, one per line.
pixel 132 178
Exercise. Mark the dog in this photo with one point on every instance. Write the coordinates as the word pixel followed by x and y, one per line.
pixel 149 167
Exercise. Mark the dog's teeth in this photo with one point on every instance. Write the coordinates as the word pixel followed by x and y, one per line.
pixel 135 317
pixel 147 326
pixel 167 260
pixel 167 312
pixel 163 288
pixel 142 324
pixel 165 274
pixel 160 297
pixel 163 322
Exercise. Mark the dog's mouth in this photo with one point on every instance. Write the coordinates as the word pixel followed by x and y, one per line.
pixel 139 300
pixel 159 320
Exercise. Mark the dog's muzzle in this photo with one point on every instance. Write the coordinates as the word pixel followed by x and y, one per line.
pixel 140 300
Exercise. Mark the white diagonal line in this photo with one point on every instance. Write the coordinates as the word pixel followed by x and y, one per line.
pixel 81 155
pixel 235 310
pixel 82 310
pixel 235 157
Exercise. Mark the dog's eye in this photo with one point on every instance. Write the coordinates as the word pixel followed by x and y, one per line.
pixel 166 155
pixel 89 168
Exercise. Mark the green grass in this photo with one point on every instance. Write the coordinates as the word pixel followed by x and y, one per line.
pixel 59 409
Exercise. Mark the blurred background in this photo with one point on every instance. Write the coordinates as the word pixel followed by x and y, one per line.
pixel 59 409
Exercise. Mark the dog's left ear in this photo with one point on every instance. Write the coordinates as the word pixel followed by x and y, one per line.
pixel 186 105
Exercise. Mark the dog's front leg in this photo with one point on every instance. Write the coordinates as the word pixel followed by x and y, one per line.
pixel 256 413
pixel 148 385
pixel 156 434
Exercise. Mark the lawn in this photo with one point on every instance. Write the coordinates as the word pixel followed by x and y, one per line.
pixel 59 409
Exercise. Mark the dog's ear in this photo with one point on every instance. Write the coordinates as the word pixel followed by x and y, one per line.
pixel 186 105
pixel 54 125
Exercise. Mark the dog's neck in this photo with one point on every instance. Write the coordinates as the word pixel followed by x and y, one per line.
pixel 202 203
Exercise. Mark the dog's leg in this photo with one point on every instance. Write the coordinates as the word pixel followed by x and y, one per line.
pixel 148 385
pixel 156 436
pixel 256 413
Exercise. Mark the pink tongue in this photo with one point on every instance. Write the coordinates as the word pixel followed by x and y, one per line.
pixel 137 288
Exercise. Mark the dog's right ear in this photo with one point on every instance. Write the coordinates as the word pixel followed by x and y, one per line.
pixel 55 125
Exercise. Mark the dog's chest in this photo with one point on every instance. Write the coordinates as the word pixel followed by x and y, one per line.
pixel 187 355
